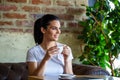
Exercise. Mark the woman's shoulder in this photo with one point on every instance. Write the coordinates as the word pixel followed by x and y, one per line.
pixel 34 48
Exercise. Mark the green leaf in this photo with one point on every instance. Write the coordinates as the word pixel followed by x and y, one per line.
pixel 101 34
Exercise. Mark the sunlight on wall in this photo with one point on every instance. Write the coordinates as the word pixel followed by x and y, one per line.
pixel 14 46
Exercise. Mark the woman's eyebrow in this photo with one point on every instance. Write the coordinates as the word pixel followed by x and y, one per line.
pixel 54 27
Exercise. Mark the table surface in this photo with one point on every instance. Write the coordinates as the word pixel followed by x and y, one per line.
pixel 77 77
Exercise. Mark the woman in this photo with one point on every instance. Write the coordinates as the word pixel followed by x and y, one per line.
pixel 49 57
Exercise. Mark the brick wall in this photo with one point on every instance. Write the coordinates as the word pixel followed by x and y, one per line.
pixel 19 15
pixel 17 18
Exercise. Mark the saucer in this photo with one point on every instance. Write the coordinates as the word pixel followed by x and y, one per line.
pixel 66 76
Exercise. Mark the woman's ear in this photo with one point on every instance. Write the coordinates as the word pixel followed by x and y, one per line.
pixel 42 30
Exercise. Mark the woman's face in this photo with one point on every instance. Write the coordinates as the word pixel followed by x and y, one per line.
pixel 53 31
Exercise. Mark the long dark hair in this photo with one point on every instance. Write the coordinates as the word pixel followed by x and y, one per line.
pixel 42 22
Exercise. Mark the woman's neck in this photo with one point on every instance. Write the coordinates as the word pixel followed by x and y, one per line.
pixel 47 44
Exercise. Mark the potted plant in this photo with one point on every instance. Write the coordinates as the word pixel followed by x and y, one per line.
pixel 101 35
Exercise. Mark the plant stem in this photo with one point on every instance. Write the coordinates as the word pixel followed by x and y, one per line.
pixel 111 64
pixel 89 61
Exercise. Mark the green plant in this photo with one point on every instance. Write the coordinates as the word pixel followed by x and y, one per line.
pixel 101 34
pixel 117 72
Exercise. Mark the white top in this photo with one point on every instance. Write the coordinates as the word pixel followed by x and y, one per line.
pixel 55 65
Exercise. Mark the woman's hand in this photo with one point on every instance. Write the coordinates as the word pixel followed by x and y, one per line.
pixel 67 63
pixel 66 52
pixel 50 52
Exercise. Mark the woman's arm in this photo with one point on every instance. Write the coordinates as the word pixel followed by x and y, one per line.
pixel 35 69
pixel 68 67
pixel 68 63
pixel 38 70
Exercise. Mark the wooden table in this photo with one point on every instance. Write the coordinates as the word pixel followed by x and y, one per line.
pixel 78 77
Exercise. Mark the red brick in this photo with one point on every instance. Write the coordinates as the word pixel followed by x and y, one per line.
pixel 53 10
pixel 31 8
pixel 66 17
pixel 8 7
pixel 24 23
pixel 2 29
pixel 81 2
pixel 62 23
pixel 77 32
pixel 75 10
pixel 35 16
pixel 6 23
pixel 15 30
pixel 0 16
pixel 14 15
pixel 72 30
pixel 11 30
pixel 80 28
pixel 18 1
pixel 65 31
pixel 28 30
pixel 64 3
pixel 72 24
pixel 45 2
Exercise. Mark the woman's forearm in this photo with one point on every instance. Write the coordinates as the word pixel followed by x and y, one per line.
pixel 41 67
pixel 68 67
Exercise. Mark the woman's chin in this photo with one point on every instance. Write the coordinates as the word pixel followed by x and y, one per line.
pixel 56 39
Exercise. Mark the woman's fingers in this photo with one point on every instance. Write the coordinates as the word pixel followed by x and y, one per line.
pixel 66 51
pixel 52 51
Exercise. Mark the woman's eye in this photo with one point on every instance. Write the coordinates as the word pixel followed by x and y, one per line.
pixel 54 28
pixel 59 28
